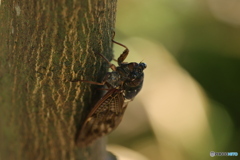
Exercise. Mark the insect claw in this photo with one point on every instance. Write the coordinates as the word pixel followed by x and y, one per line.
pixel 113 34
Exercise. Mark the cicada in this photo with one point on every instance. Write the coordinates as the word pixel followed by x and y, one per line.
pixel 122 85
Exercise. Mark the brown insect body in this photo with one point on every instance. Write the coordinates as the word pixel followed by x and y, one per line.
pixel 123 84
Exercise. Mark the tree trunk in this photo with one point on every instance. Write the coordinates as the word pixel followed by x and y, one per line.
pixel 43 46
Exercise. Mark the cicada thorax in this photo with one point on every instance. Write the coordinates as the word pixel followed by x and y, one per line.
pixel 114 79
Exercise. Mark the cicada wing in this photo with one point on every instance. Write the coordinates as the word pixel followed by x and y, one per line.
pixel 103 118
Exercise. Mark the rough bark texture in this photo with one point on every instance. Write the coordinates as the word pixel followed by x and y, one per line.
pixel 43 45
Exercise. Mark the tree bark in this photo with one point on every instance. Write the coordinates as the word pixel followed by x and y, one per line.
pixel 44 45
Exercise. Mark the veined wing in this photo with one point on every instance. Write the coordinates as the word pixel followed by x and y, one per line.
pixel 103 118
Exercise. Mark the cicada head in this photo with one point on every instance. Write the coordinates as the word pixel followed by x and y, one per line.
pixel 136 71
pixel 133 83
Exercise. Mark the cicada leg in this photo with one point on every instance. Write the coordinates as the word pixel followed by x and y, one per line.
pixel 120 59
pixel 112 66
pixel 92 82
pixel 124 55
pixel 96 83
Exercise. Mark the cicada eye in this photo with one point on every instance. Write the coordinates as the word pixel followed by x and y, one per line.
pixel 143 65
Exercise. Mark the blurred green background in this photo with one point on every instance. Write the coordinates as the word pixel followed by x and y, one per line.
pixel 190 101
